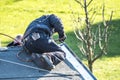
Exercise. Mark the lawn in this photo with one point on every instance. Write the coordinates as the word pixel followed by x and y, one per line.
pixel 15 16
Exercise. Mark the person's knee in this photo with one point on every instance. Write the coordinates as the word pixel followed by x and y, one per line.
pixel 56 56
pixel 60 55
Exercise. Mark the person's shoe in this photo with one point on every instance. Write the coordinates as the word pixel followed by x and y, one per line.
pixel 43 61
pixel 48 62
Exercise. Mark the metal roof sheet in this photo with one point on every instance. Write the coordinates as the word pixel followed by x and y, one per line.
pixel 11 68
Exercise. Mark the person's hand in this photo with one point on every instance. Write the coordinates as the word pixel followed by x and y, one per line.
pixel 62 38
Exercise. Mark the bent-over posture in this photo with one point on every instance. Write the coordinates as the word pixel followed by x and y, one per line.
pixel 37 40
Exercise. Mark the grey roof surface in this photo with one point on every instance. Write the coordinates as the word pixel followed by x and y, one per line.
pixel 11 68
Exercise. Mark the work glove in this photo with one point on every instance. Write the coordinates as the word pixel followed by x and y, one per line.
pixel 62 37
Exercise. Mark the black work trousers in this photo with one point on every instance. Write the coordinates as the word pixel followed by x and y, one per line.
pixel 45 45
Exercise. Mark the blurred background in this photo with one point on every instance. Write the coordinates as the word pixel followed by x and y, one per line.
pixel 16 15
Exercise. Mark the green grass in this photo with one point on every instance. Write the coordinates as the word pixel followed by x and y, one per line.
pixel 15 15
pixel 107 68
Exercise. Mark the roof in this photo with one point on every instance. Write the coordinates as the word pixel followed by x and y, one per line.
pixel 11 68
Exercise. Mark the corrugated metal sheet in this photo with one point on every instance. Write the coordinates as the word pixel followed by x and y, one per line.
pixel 11 68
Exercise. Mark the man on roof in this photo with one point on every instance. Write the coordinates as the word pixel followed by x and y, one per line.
pixel 38 41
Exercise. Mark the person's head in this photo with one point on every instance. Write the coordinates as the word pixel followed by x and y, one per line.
pixel 18 38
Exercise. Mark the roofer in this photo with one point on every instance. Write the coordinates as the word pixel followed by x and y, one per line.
pixel 17 41
pixel 37 40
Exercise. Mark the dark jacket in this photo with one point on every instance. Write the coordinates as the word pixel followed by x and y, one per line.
pixel 49 23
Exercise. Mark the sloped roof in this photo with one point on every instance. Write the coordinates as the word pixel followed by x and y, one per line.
pixel 11 68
